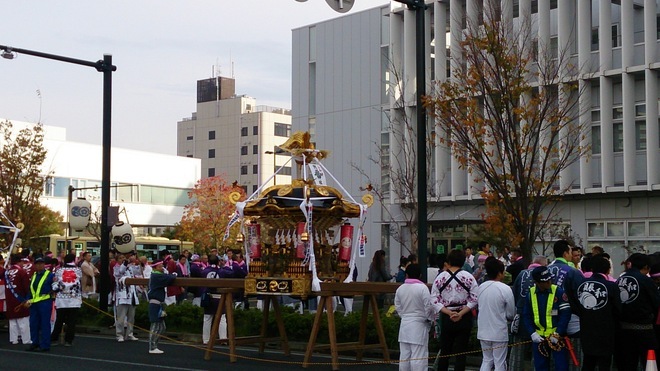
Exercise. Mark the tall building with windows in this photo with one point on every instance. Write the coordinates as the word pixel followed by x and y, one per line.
pixel 613 200
pixel 234 137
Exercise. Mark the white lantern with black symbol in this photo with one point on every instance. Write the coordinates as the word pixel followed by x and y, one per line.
pixel 80 211
pixel 122 237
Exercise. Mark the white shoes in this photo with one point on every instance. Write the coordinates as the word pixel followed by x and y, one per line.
pixel 132 338
pixel 156 351
pixel 120 340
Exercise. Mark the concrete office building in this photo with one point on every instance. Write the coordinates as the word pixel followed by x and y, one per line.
pixel 234 137
pixel 613 200
pixel 339 97
pixel 150 189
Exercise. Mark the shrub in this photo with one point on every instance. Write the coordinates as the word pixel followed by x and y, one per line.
pixel 188 318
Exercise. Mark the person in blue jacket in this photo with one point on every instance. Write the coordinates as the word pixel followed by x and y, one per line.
pixel 158 282
pixel 41 306
pixel 545 317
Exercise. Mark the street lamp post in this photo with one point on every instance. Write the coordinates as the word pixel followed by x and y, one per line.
pixel 105 66
pixel 420 64
pixel 276 152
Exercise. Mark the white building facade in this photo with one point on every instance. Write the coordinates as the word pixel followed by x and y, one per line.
pixel 613 201
pixel 234 137
pixel 149 189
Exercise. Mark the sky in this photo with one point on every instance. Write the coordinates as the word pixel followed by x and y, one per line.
pixel 160 47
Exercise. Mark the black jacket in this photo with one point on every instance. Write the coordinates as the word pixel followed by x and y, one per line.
pixel 639 296
pixel 599 310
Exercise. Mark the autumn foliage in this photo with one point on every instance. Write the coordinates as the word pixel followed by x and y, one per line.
pixel 22 180
pixel 509 113
pixel 206 217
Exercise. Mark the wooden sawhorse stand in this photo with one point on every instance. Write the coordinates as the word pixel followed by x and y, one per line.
pixel 226 305
pixel 359 346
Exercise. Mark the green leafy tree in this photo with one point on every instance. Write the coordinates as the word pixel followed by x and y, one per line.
pixel 22 154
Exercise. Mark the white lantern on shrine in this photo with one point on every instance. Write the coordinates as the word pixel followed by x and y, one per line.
pixel 122 237
pixel 80 211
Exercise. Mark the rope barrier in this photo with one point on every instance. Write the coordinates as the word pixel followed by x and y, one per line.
pixel 356 363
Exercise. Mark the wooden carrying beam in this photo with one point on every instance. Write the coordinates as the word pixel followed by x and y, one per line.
pixel 226 306
pixel 367 289
pixel 227 283
pixel 224 289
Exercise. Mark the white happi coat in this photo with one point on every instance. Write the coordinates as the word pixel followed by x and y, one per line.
pixel 496 308
pixel 413 304
pixel 124 294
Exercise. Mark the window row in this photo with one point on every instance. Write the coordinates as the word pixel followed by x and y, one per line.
pixel 244 151
pixel 280 130
pixel 119 192
pixel 617 137
pixel 244 131
pixel 255 170
pixel 622 228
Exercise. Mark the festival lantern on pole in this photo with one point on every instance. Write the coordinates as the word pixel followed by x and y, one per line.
pixel 345 242
pixel 254 237
pixel 80 211
pixel 122 237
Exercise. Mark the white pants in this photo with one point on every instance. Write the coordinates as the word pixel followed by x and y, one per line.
pixel 124 317
pixel 19 326
pixel 197 301
pixel 208 323
pixel 493 357
pixel 348 305
pixel 413 357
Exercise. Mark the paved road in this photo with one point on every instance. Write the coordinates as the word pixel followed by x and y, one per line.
pixel 101 353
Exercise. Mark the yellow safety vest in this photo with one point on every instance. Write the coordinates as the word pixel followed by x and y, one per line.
pixel 35 293
pixel 548 312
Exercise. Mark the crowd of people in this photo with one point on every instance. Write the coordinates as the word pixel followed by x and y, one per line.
pixel 160 291
pixel 36 287
pixel 42 294
pixel 572 310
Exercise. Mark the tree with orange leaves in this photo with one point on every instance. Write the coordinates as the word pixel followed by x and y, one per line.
pixel 510 115
pixel 205 219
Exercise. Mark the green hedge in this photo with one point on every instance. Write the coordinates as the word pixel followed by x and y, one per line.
pixel 187 318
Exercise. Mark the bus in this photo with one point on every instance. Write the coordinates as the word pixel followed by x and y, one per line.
pixel 146 245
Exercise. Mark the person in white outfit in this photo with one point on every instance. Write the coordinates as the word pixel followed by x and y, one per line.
pixel 496 308
pixel 68 300
pixel 413 304
pixel 126 299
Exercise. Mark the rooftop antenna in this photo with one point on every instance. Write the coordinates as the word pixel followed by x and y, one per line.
pixel 40 104
pixel 231 63
pixel 216 68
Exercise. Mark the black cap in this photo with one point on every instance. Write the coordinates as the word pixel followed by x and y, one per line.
pixel 541 274
pixel 39 260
